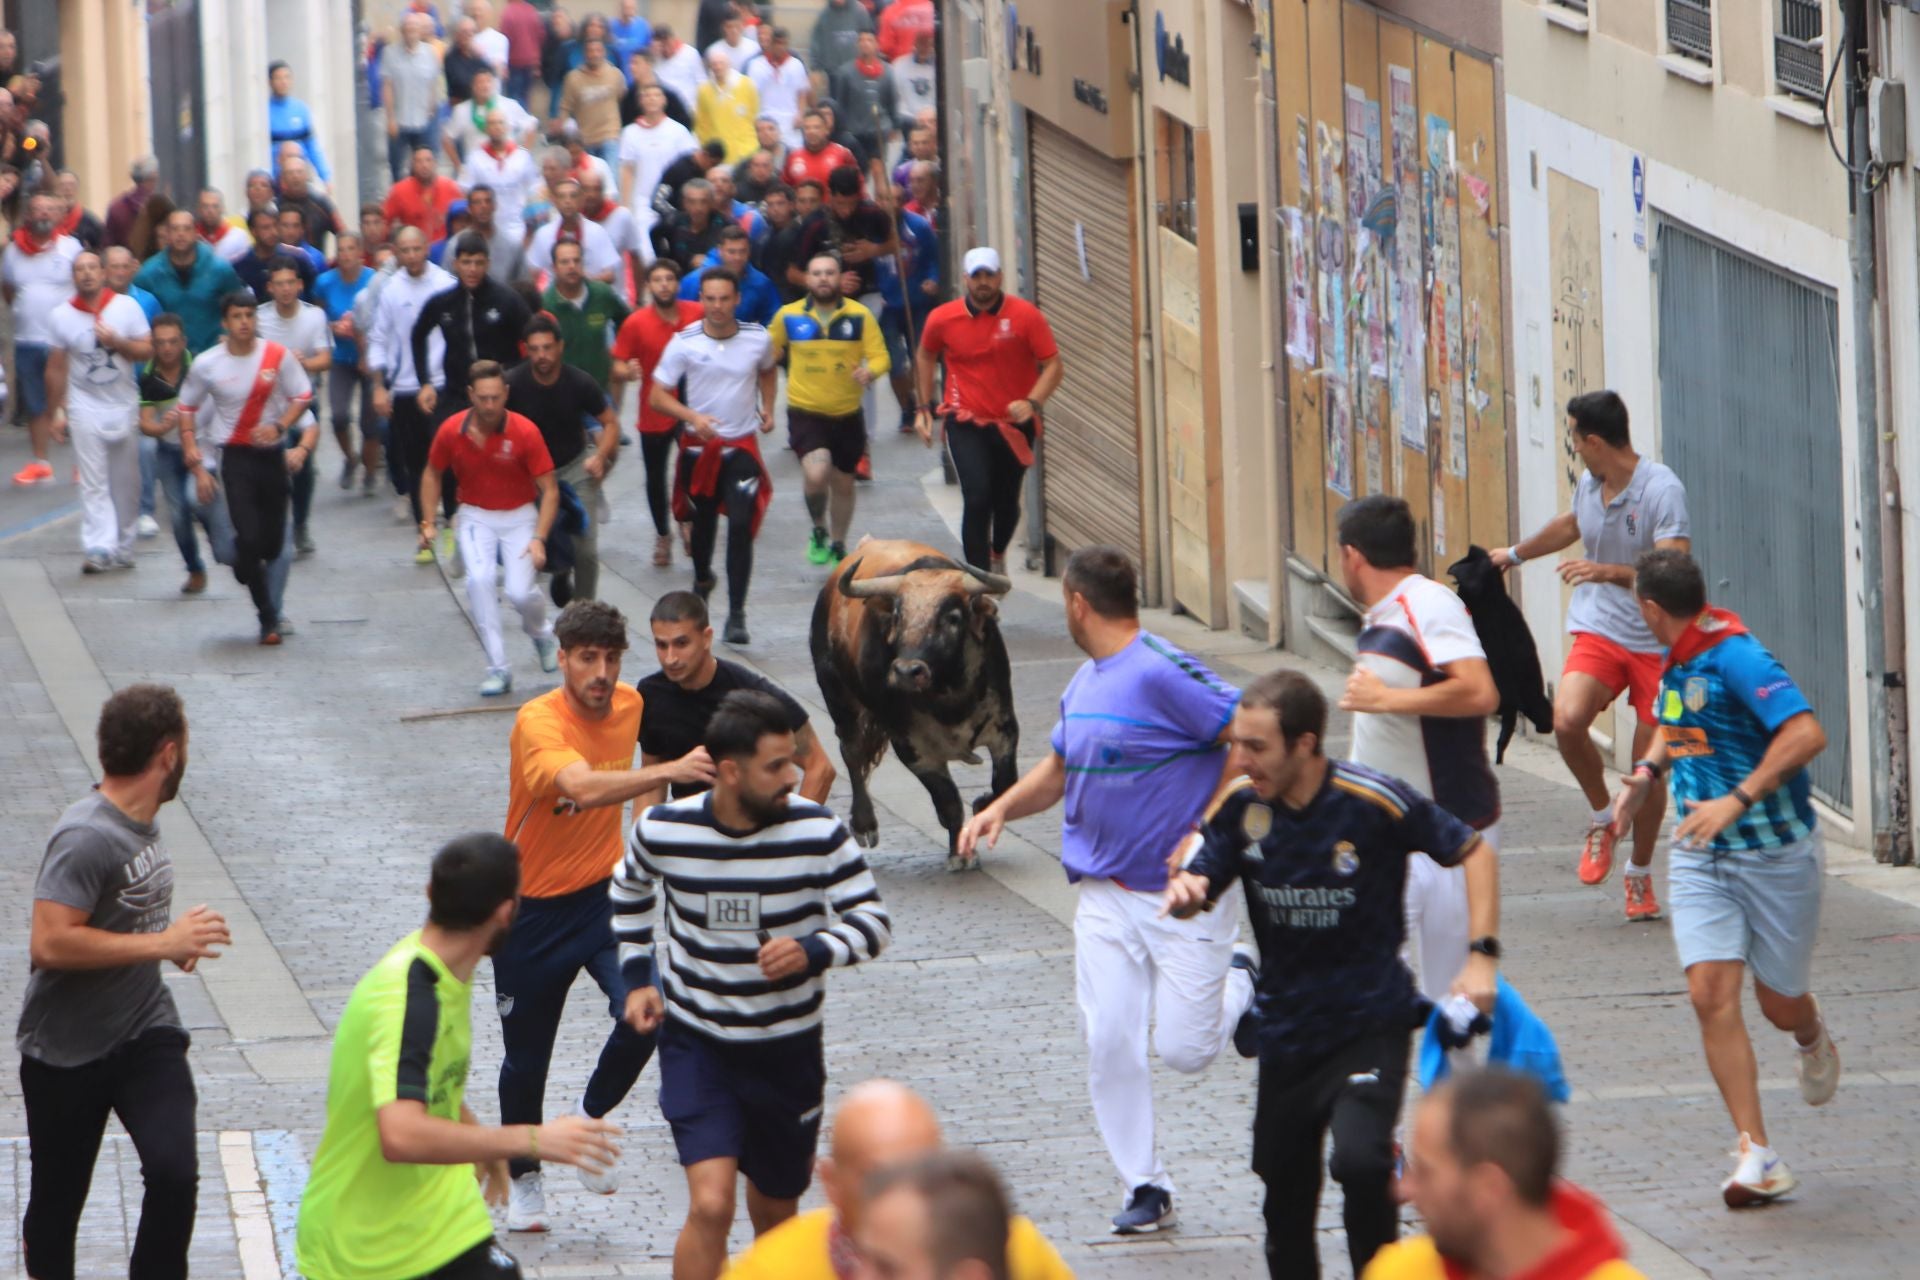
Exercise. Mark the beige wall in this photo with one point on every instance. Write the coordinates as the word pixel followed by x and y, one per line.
pixel 103 52
pixel 1725 134
pixel 1086 50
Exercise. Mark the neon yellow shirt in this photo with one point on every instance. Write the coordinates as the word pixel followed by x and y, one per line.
pixel 797 1250
pixel 406 1033
pixel 822 352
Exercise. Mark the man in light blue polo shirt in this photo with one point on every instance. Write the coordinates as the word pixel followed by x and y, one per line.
pixel 1140 757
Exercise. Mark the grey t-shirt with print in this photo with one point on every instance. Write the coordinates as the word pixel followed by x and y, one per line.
pixel 1650 509
pixel 104 863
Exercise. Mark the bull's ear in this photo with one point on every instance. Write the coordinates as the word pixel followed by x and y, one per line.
pixel 882 605
pixel 985 610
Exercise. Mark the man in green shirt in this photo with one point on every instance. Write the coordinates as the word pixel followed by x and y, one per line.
pixel 404 1173
pixel 589 313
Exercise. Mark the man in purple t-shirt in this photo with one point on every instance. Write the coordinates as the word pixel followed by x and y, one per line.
pixel 1140 757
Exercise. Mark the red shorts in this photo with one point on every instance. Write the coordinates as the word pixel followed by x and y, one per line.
pixel 1616 668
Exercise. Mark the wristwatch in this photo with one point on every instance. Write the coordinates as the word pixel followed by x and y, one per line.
pixel 1488 946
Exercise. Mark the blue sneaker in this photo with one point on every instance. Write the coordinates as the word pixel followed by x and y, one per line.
pixel 1149 1208
pixel 495 685
pixel 1246 1032
pixel 549 650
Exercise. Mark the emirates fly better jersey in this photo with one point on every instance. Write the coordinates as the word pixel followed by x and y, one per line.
pixel 227 396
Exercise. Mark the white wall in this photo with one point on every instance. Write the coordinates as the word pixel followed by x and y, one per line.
pixel 317 42
pixel 1539 138
pixel 233 50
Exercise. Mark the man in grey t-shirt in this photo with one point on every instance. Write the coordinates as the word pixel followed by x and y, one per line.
pixel 1623 507
pixel 99 1033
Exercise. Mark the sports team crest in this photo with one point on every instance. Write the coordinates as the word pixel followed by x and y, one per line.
pixel 1346 859
pixel 1256 822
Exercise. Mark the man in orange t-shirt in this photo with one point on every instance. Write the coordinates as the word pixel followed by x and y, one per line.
pixel 572 773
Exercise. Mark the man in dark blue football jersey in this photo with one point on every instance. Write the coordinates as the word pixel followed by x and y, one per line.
pixel 1323 847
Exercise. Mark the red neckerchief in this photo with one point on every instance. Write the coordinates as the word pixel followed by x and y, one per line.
pixel 606 211
pixel 584 167
pixel 842 1256
pixel 24 241
pixel 1590 1244
pixel 212 237
pixel 563 235
pixel 106 296
pixel 498 156
pixel 69 223
pixel 1704 632
pixel 871 70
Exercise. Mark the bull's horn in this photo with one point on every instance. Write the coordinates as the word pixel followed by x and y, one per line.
pixel 987 583
pixel 866 588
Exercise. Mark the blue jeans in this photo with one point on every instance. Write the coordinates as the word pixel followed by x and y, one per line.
pixel 177 484
pixel 520 83
pixel 184 506
pixel 149 472
pixel 401 146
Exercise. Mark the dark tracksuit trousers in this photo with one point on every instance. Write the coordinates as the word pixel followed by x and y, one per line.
pixel 736 496
pixel 551 941
pixel 258 490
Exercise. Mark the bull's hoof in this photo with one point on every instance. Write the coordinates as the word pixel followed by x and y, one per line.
pixel 959 862
pixel 867 838
pixel 982 800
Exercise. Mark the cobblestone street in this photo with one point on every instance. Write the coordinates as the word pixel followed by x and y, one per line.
pixel 324 774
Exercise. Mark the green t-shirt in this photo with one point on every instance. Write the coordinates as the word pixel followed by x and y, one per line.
pixel 587 327
pixel 406 1033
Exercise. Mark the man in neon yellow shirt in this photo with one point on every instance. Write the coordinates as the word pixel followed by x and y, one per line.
pixel 834 349
pixel 881 1123
pixel 393 1194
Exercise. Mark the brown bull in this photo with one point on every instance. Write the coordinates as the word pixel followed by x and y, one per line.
pixel 907 649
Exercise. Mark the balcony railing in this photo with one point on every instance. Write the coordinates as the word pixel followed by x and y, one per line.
pixel 1798 49
pixel 1690 28
pixel 1578 6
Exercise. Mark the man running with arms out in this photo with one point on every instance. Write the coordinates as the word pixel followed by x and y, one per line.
pixel 834 350
pixel 688 688
pixel 751 876
pixel 99 1032
pixel 1624 507
pixel 1421 692
pixel 1139 757
pixel 1744 870
pixel 508 502
pixel 642 338
pixel 731 383
pixel 571 773
pixel 403 1174
pixel 1323 848
pixel 253 393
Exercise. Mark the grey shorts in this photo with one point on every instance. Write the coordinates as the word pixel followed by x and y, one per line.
pixel 1760 907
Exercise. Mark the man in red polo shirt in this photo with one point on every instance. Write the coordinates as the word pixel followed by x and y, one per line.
pixel 1002 365
pixel 816 161
pixel 508 501
pixel 421 199
pixel 643 336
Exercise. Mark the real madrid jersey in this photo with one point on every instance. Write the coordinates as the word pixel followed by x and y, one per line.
pixel 1324 888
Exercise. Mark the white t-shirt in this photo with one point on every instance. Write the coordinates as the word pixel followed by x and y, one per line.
pixel 40 282
pixel 306 335
pixel 595 244
pixel 234 245
pixel 491 44
pixel 103 387
pixel 219 384
pixel 739 56
pixel 723 374
pixel 621 229
pixel 780 89
pixel 682 73
pixel 469 136
pixel 649 150
pixel 1407 639
pixel 512 176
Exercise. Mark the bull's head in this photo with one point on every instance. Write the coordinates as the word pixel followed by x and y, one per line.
pixel 935 610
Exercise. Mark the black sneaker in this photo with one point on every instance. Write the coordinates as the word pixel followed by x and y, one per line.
pixel 704 586
pixel 1149 1208
pixel 736 633
pixel 1246 1032
pixel 837 552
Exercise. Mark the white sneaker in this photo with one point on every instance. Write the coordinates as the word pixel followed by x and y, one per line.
pixel 147 527
pixel 526 1204
pixel 1760 1178
pixel 603 1183
pixel 1818 1067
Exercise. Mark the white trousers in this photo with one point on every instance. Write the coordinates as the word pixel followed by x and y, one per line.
pixel 1437 924
pixel 109 486
pixel 1130 967
pixel 494 546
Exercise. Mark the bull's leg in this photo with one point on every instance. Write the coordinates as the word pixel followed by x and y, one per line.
pixel 860 749
pixel 1003 743
pixel 947 807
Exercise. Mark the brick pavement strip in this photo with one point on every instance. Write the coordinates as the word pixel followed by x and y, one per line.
pixel 321 794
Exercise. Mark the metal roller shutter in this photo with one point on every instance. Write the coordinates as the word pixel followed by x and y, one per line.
pixel 1092 442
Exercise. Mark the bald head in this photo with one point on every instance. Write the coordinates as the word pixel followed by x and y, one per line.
pixel 880 1123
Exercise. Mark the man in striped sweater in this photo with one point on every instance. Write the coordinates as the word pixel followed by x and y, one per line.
pixel 765 892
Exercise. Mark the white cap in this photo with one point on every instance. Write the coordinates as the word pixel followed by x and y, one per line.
pixel 981 259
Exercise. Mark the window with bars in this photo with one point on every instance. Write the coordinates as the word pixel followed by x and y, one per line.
pixel 1578 6
pixel 1178 198
pixel 1798 49
pixel 1690 28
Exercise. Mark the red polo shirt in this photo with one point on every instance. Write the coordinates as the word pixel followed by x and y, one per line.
pixel 411 205
pixel 642 337
pixel 993 357
pixel 496 476
pixel 804 165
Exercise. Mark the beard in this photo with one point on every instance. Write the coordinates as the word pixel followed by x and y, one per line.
pixel 171 787
pixel 497 943
pixel 766 809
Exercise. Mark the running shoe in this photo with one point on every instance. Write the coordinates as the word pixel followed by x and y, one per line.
pixel 997 564
pixel 662 551
pixel 1641 904
pixel 35 472
pixel 864 469
pixel 96 564
pixel 601 1183
pixel 1246 1032
pixel 369 484
pixel 146 527
pixel 492 687
pixel 526 1204
pixel 1596 854
pixel 818 549
pixel 1818 1067
pixel 1149 1208
pixel 837 552
pixel 704 586
pixel 121 560
pixel 549 650
pixel 270 638
pixel 303 542
pixel 347 466
pixel 736 634
pixel 1759 1178
pixel 194 585
pixel 423 556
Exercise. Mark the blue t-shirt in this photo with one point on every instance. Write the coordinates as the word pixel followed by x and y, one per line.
pixel 1140 733
pixel 336 296
pixel 148 303
pixel 1325 890
pixel 1718 712
pixel 630 35
pixel 758 297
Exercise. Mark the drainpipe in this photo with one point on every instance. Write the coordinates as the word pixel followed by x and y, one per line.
pixel 1882 558
pixel 1156 530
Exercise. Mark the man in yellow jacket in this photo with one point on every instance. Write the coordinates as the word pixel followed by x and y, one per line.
pixel 726 107
pixel 880 1123
pixel 1482 1172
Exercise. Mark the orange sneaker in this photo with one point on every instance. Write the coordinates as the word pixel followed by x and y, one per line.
pixel 35 472
pixel 1596 854
pixel 1641 904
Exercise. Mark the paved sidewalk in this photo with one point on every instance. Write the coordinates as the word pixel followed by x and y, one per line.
pixel 323 774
